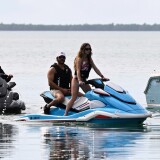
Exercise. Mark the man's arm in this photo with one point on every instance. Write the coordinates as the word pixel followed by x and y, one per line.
pixel 51 75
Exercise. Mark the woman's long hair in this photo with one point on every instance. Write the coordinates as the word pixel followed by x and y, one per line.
pixel 81 53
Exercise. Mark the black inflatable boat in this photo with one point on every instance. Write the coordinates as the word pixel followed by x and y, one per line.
pixel 9 100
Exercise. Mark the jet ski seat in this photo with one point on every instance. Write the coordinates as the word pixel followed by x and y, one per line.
pixel 82 103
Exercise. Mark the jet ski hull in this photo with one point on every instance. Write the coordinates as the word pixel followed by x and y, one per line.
pixel 92 116
pixel 105 105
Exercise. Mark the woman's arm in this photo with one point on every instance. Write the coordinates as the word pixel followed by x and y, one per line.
pixel 96 69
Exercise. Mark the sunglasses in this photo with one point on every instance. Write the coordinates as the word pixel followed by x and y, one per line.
pixel 88 49
pixel 62 57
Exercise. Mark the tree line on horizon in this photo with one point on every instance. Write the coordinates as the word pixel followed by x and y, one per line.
pixel 79 27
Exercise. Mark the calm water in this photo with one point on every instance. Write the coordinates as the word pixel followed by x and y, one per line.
pixel 127 58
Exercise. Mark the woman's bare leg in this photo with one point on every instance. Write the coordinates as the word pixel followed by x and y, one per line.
pixel 86 88
pixel 74 92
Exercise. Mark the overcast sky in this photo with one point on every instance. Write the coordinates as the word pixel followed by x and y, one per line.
pixel 80 11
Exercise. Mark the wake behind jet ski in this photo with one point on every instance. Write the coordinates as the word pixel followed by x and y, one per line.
pixel 107 104
pixel 9 100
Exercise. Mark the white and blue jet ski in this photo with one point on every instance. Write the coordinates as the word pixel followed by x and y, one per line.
pixel 107 103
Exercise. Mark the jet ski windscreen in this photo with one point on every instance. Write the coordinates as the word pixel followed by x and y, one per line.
pixel 115 87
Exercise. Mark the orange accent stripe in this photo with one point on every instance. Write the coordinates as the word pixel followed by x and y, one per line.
pixel 101 116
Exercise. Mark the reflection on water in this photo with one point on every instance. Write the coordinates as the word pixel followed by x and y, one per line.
pixel 89 143
pixel 7 133
pixel 47 141
pixel 65 143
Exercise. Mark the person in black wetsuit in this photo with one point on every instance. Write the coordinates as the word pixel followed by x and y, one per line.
pixel 82 65
pixel 6 77
pixel 59 80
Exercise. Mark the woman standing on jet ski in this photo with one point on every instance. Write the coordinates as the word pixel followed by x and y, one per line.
pixel 82 65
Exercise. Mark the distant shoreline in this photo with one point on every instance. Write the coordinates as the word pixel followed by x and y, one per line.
pixel 80 27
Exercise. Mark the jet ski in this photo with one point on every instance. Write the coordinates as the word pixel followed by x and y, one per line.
pixel 9 100
pixel 152 92
pixel 107 104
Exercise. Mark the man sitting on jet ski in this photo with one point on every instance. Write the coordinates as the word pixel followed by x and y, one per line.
pixel 6 77
pixel 59 79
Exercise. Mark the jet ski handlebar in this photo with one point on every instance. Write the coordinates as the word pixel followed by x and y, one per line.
pixel 97 82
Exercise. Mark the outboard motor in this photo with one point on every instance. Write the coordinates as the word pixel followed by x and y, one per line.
pixel 9 100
